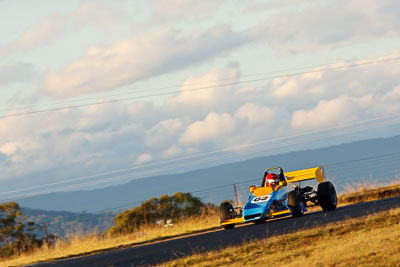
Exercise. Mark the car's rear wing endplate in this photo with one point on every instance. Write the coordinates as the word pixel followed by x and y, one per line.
pixel 317 173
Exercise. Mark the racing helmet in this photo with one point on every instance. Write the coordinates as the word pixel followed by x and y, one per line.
pixel 272 179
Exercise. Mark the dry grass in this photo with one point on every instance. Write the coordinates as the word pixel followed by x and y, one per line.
pixel 369 192
pixel 84 245
pixel 369 241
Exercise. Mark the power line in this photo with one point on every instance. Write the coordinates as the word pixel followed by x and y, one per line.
pixel 379 120
pixel 211 159
pixel 192 84
pixel 236 148
pixel 286 142
pixel 198 155
pixel 221 188
pixel 363 159
pixel 198 89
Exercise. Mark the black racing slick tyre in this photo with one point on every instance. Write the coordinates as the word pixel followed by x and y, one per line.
pixel 327 197
pixel 295 203
pixel 226 212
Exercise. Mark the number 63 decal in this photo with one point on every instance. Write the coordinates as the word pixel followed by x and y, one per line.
pixel 261 199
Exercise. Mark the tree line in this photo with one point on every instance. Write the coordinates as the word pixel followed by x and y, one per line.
pixel 63 223
pixel 160 209
pixel 17 234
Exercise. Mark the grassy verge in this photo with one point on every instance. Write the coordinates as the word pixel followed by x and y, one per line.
pixel 86 245
pixel 369 241
pixel 83 245
pixel 369 192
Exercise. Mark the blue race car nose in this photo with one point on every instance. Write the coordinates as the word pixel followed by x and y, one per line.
pixel 252 211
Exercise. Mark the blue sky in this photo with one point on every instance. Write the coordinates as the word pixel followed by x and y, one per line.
pixel 60 53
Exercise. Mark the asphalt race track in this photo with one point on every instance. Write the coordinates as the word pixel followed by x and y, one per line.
pixel 163 251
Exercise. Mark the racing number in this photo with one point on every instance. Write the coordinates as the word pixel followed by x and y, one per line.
pixel 261 199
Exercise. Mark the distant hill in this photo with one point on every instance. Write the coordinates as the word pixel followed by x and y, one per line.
pixel 368 160
pixel 64 223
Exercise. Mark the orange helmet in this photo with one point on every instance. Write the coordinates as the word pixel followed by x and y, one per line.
pixel 272 179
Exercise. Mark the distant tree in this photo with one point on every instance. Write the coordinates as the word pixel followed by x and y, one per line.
pixel 16 235
pixel 165 207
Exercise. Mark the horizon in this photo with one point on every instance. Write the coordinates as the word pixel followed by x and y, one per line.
pixel 372 162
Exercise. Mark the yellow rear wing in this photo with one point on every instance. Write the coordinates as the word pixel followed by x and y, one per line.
pixel 317 173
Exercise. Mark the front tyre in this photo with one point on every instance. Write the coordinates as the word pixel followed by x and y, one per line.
pixel 327 197
pixel 226 212
pixel 295 203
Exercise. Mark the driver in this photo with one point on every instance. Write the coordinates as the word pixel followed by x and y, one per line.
pixel 272 181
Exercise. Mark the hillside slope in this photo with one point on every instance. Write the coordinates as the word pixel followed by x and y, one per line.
pixel 381 168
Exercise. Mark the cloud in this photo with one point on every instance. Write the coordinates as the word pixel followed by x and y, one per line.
pixel 172 10
pixel 326 113
pixel 143 158
pixel 104 68
pixel 172 151
pixel 16 72
pixel 108 137
pixel 9 148
pixel 98 136
pixel 163 133
pixel 38 35
pixel 288 88
pixel 256 115
pixel 98 14
pixel 210 96
pixel 211 128
pixel 330 24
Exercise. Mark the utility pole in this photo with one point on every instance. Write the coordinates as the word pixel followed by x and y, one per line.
pixel 237 196
pixel 47 234
pixel 144 213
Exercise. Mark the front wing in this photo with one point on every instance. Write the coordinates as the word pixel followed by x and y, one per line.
pixel 241 220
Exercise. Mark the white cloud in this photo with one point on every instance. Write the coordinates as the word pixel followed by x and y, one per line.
pixel 97 13
pixel 389 102
pixel 256 115
pixel 104 68
pixel 326 113
pixel 289 88
pixel 143 158
pixel 9 148
pixel 108 137
pixel 212 128
pixel 101 135
pixel 38 35
pixel 197 103
pixel 393 95
pixel 163 133
pixel 89 13
pixel 331 24
pixel 105 137
pixel 173 151
pixel 172 10
pixel 16 72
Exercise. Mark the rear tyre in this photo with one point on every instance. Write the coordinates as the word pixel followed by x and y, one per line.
pixel 226 212
pixel 327 197
pixel 295 203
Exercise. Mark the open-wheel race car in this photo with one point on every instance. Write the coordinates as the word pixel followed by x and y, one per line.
pixel 281 194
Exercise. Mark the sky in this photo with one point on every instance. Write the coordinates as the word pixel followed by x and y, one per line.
pixel 99 92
